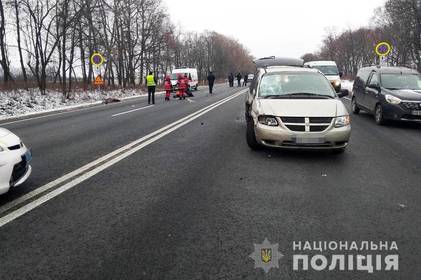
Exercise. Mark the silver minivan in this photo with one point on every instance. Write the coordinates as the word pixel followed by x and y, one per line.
pixel 295 107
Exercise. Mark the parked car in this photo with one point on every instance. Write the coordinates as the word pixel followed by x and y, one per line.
pixel 390 93
pixel 14 161
pixel 330 70
pixel 295 107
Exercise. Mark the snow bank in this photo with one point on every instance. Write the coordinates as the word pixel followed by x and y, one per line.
pixel 21 102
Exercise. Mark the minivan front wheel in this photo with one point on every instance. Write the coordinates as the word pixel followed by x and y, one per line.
pixel 354 106
pixel 378 115
pixel 251 136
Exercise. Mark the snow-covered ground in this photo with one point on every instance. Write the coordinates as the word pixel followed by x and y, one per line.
pixel 22 103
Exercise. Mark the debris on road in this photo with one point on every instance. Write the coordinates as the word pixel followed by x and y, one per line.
pixel 111 100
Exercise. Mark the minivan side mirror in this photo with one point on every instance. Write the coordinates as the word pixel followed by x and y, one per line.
pixel 374 86
pixel 343 93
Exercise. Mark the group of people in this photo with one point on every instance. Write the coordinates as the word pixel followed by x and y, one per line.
pixel 183 86
pixel 238 77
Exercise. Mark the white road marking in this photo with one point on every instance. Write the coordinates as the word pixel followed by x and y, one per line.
pixel 347 98
pixel 131 111
pixel 99 165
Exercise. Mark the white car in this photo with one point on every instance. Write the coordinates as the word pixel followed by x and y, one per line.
pixel 330 70
pixel 14 161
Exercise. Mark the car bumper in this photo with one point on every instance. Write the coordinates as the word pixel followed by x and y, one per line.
pixel 279 137
pixel 14 169
pixel 399 113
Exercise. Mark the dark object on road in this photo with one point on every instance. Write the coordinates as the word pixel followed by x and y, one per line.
pixel 211 81
pixel 389 93
pixel 151 84
pixel 111 100
pixel 231 79
pixel 239 79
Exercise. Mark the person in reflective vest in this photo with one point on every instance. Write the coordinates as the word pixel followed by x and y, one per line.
pixel 168 88
pixel 181 87
pixel 151 84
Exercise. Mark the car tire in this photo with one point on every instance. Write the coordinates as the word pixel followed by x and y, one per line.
pixel 378 115
pixel 354 106
pixel 251 136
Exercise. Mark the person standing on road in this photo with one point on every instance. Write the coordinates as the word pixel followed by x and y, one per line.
pixel 168 88
pixel 211 81
pixel 151 84
pixel 231 79
pixel 239 79
pixel 181 87
pixel 246 79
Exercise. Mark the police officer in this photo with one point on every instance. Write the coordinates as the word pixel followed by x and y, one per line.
pixel 151 84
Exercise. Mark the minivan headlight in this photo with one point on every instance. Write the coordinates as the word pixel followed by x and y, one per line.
pixel 392 99
pixel 268 120
pixel 342 121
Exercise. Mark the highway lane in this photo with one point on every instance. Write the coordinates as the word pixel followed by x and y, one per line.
pixel 62 143
pixel 191 205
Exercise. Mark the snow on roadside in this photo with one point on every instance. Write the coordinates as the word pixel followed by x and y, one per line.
pixel 21 102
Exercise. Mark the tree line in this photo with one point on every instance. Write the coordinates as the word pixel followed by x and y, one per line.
pixel 397 22
pixel 52 41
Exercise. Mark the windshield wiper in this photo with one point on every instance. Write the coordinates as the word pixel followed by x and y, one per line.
pixel 274 96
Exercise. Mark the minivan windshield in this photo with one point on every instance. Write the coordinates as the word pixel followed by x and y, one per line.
pixel 328 70
pixel 401 81
pixel 295 85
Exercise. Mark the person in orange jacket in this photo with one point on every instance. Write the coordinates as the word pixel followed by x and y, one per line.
pixel 168 88
pixel 181 87
pixel 186 80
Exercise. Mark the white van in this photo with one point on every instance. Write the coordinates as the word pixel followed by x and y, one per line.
pixel 330 70
pixel 190 72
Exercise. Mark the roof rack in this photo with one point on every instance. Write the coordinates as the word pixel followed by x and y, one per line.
pixel 278 61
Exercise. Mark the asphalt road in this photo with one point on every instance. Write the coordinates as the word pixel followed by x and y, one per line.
pixel 191 204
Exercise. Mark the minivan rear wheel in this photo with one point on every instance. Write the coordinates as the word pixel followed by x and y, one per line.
pixel 251 136
pixel 354 106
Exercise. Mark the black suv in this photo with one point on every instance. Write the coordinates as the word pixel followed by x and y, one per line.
pixel 390 93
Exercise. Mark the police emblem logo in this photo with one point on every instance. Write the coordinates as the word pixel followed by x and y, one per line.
pixel 266 256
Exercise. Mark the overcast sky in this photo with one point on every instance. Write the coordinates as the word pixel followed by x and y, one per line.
pixel 273 27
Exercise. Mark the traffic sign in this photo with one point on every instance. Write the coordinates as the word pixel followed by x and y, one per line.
pixel 99 81
pixel 383 49
pixel 97 59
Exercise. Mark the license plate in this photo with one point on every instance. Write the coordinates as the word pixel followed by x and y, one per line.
pixel 306 140
pixel 28 156
pixel 416 112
